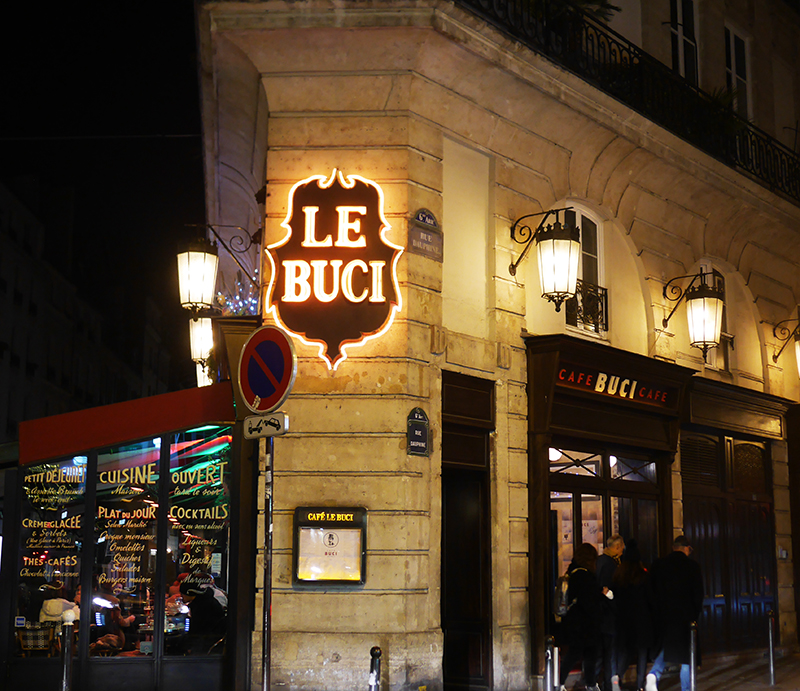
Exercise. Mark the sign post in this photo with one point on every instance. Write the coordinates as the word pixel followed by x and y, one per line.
pixel 267 370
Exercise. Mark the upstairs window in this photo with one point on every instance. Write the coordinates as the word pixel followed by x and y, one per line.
pixel 588 310
pixel 737 61
pixel 684 41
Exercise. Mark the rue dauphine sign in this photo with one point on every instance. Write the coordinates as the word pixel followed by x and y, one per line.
pixel 417 425
pixel 425 236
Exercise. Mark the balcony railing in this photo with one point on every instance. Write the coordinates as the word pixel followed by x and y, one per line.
pixel 589 308
pixel 610 62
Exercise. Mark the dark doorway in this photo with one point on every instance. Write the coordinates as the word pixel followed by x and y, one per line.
pixel 728 517
pixel 466 544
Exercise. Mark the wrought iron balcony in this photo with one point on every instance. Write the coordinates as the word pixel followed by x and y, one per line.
pixel 610 62
pixel 589 308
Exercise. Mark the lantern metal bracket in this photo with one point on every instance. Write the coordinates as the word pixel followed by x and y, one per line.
pixel 239 244
pixel 779 332
pixel 674 293
pixel 522 233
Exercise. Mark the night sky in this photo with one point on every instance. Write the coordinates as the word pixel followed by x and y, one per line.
pixel 99 105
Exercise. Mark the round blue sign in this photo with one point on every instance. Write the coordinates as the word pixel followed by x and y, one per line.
pixel 267 369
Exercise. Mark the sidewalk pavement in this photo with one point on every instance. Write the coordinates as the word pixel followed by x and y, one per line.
pixel 751 674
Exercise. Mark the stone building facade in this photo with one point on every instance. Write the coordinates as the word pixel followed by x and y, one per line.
pixel 446 112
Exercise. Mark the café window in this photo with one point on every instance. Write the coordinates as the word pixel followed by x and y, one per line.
pixel 125 536
pixel 197 542
pixel 49 562
pixel 158 514
pixel 595 494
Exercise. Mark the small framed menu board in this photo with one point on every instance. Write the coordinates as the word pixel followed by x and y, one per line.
pixel 330 546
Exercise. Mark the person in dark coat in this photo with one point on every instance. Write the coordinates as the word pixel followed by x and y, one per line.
pixel 208 616
pixel 634 613
pixel 580 628
pixel 607 564
pixel 677 587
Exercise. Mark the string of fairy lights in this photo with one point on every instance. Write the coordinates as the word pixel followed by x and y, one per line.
pixel 243 302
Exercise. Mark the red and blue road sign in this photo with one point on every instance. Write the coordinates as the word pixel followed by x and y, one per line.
pixel 267 369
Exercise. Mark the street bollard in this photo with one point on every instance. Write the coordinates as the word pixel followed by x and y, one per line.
pixel 692 655
pixel 375 669
pixel 549 669
pixel 771 620
pixel 66 649
pixel 556 666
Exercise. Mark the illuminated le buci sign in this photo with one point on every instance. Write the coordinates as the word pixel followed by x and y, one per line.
pixel 334 273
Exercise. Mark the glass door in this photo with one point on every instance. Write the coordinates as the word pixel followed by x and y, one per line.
pixel 596 494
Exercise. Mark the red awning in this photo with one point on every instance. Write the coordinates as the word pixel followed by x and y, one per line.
pixel 71 433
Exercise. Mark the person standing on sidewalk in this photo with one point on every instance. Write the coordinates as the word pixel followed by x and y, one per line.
pixel 634 613
pixel 607 564
pixel 580 629
pixel 678 596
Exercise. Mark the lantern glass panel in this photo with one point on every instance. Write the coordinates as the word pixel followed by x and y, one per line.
pixel 201 338
pixel 797 351
pixel 202 375
pixel 558 265
pixel 705 320
pixel 197 278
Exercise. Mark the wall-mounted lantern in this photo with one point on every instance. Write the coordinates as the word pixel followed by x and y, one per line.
pixel 705 301
pixel 197 275
pixel 558 248
pixel 197 282
pixel 201 338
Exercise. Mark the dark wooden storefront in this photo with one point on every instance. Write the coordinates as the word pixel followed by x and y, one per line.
pixel 726 473
pixel 595 429
pixel 724 434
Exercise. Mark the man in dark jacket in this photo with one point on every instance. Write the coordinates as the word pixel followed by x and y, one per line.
pixel 678 595
pixel 607 564
pixel 580 628
pixel 208 616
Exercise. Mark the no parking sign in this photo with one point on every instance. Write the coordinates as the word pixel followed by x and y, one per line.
pixel 267 369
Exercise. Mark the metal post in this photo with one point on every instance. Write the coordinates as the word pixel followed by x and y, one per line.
pixel 692 655
pixel 771 620
pixel 549 669
pixel 266 450
pixel 66 650
pixel 556 668
pixel 375 669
